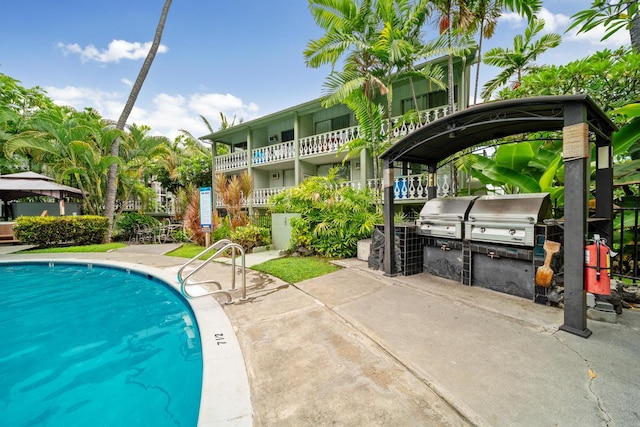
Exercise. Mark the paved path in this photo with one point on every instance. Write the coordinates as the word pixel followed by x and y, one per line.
pixel 358 348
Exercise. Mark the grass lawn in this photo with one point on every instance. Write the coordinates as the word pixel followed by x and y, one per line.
pixel 289 269
pixel 296 269
pixel 188 250
pixel 106 247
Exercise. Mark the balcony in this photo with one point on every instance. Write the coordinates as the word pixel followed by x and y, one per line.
pixel 408 188
pixel 327 143
pixel 232 161
pixel 274 153
pixel 318 148
pixel 261 195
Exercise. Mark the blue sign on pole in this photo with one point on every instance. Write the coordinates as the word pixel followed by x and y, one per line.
pixel 206 211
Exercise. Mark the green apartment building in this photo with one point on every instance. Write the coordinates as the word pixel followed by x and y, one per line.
pixel 281 149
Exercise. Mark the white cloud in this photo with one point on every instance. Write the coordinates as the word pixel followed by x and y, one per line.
pixel 117 50
pixel 554 22
pixel 80 98
pixel 167 113
pixel 171 113
pixel 594 37
pixel 513 19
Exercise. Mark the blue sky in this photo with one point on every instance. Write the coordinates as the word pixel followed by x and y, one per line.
pixel 240 57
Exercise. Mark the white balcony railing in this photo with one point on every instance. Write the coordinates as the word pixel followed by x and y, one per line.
pixel 323 143
pixel 232 161
pixel 261 195
pixel 328 142
pixel 274 153
pixel 409 187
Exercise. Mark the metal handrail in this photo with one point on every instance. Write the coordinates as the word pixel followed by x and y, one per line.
pixel 220 247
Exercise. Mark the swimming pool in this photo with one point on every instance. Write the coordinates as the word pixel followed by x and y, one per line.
pixel 86 344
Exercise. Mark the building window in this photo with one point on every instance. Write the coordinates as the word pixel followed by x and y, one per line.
pixel 441 98
pixel 335 123
pixel 429 100
pixel 286 135
pixel 340 122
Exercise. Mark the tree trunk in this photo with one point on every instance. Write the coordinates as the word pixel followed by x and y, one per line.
pixel 635 32
pixel 450 82
pixel 112 176
pixel 475 90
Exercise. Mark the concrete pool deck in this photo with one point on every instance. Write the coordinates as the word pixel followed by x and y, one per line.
pixel 357 348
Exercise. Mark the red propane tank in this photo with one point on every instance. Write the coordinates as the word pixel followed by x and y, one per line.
pixel 597 265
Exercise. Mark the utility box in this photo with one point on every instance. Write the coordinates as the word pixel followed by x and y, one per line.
pixel 281 229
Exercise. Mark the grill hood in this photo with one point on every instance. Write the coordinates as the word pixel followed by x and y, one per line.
pixel 508 219
pixel 444 216
pixel 511 208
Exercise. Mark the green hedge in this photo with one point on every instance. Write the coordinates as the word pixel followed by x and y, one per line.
pixel 49 231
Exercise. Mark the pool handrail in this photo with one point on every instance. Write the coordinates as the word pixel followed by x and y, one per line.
pixel 220 246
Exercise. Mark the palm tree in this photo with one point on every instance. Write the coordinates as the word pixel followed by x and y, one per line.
pixel 486 14
pixel 112 178
pixel 351 31
pixel 454 19
pixel 519 60
pixel 615 16
pixel 139 151
pixel 71 146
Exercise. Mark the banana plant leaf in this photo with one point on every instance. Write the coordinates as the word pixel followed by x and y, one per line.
pixel 514 156
pixel 547 178
pixel 629 134
pixel 629 219
pixel 503 175
pixel 626 173
pixel 544 158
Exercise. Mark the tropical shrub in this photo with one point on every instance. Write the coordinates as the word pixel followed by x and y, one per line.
pixel 221 227
pixel 232 193
pixel 48 231
pixel 251 236
pixel 333 217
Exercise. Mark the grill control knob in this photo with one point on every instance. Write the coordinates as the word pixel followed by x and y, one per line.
pixel 482 229
pixel 512 231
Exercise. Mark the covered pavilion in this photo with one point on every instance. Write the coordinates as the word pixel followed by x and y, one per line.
pixel 29 184
pixel 581 121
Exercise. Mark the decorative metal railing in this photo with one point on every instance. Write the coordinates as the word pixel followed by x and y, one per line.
pixel 274 153
pixel 425 117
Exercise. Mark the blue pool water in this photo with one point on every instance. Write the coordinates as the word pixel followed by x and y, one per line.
pixel 89 345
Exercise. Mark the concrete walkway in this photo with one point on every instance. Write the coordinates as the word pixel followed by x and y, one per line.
pixel 357 348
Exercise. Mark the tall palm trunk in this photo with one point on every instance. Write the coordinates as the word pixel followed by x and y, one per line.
pixel 634 32
pixel 112 176
pixel 450 62
pixel 475 90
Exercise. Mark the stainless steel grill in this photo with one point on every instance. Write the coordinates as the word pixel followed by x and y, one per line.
pixel 444 217
pixel 489 241
pixel 508 219
pixel 441 224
